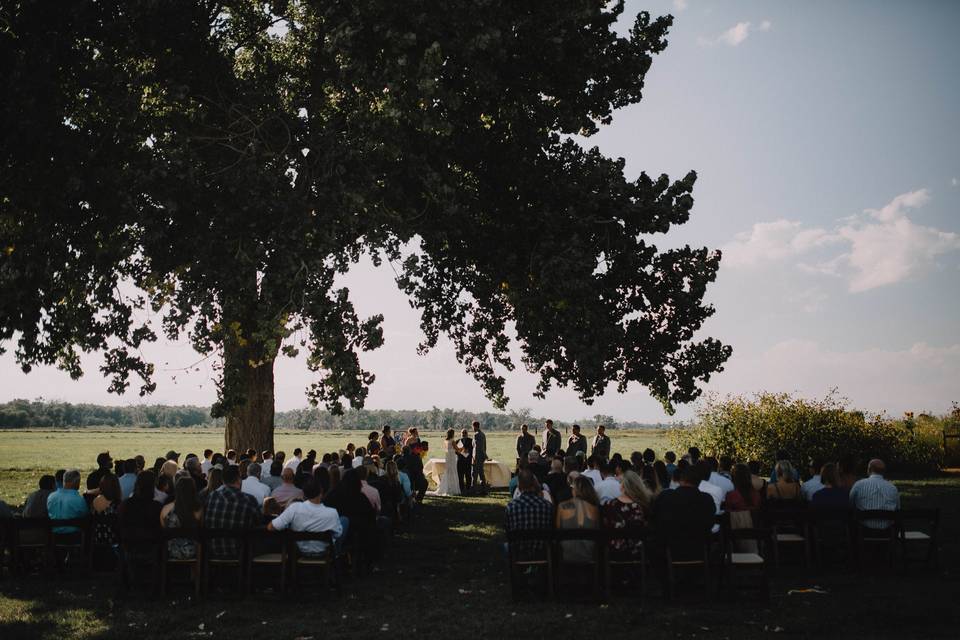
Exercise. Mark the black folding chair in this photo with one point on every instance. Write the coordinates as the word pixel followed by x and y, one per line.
pixel 597 539
pixel 919 527
pixel 831 535
pixel 637 536
pixel 685 553
pixel 875 529
pixel 268 551
pixel 790 527
pixel 739 558
pixel 28 537
pixel 194 565
pixel 300 561
pixel 140 548
pixel 212 559
pixel 67 546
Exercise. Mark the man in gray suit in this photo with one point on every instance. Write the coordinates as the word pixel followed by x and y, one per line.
pixel 479 456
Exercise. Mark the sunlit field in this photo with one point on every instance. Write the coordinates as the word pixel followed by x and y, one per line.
pixel 29 453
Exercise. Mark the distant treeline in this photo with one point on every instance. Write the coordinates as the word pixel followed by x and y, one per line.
pixel 43 413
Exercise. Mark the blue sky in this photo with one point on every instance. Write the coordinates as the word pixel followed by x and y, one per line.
pixel 826 139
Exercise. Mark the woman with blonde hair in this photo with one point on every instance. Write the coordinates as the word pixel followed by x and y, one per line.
pixel 582 511
pixel 629 509
pixel 786 490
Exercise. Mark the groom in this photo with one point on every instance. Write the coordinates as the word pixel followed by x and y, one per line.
pixel 479 456
pixel 464 455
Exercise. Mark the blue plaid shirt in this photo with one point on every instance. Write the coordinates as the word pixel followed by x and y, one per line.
pixel 229 508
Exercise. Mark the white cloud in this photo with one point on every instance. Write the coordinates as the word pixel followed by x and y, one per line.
pixel 735 35
pixel 921 377
pixel 954 182
pixel 876 248
pixel 680 5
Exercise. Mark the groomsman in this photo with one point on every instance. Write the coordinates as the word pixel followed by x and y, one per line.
pixel 464 459
pixel 551 440
pixel 577 442
pixel 479 456
pixel 601 444
pixel 525 442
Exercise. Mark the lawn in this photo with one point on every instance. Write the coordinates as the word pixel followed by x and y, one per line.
pixel 29 453
pixel 447 578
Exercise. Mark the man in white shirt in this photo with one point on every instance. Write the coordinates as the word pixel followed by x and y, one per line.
pixel 726 484
pixel 814 484
pixel 251 484
pixel 715 492
pixel 265 463
pixel 874 493
pixel 311 515
pixel 593 473
pixel 207 463
pixel 609 487
pixel 294 462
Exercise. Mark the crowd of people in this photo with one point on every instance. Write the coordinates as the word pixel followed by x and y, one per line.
pixel 677 499
pixel 359 494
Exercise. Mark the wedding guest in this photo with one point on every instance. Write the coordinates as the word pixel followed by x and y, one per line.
pixel 140 513
pixel 371 493
pixel 266 465
pixel 391 492
pixel 287 492
pixel 702 469
pixel 294 461
pixel 848 471
pixel 108 497
pixel 663 475
pixel 671 462
pixel 592 472
pixel 387 442
pixel 608 488
pixel 252 486
pixel 629 509
pixel 67 503
pixel 556 482
pixel 650 478
pixel 715 478
pixel 527 512
pixel 814 483
pixel 129 478
pixel 163 492
pixel 784 491
pixel 193 467
pixel 525 442
pixel 335 473
pixel 577 442
pixel 744 496
pixel 104 466
pixel 832 495
pixel 229 508
pixel 601 443
pixel 536 466
pixel 693 455
pixel 310 515
pixel 348 500
pixel 207 463
pixel 582 511
pixel 759 482
pixel 275 477
pixel 684 516
pixel 36 504
pixel 214 482
pixel 232 458
pixel 184 512
pixel 874 493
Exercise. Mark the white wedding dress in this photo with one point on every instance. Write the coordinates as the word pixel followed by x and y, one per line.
pixel 449 482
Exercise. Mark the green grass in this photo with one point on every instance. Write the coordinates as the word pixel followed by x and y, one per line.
pixel 29 453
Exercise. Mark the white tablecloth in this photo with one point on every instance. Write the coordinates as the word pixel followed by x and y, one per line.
pixel 497 473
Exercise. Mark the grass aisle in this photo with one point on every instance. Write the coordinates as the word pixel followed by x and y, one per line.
pixel 447 579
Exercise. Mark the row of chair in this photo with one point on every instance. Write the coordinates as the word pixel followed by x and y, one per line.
pixel 259 550
pixel 730 552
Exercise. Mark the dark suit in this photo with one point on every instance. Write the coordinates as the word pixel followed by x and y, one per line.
pixel 479 456
pixel 464 465
pixel 525 442
pixel 575 444
pixel 601 446
pixel 551 442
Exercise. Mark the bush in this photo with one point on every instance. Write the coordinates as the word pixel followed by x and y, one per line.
pixel 756 428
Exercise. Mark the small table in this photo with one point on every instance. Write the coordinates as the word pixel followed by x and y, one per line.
pixel 496 473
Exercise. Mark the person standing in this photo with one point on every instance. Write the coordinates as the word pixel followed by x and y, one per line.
pixel 525 442
pixel 601 444
pixel 551 440
pixel 387 443
pixel 479 455
pixel 577 442
pixel 464 460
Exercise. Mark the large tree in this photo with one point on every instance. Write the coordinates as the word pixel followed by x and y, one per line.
pixel 220 163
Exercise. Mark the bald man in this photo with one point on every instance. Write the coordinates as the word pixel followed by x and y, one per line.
pixel 287 492
pixel 874 493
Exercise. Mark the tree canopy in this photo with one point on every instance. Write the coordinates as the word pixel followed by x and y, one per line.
pixel 220 163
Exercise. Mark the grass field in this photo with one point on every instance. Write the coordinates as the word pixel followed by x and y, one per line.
pixel 26 454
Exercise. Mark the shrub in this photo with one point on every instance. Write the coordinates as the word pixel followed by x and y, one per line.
pixel 756 428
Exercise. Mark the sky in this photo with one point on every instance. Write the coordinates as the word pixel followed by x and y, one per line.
pixel 827 143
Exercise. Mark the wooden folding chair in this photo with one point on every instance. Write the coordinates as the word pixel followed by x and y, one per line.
pixel 28 537
pixel 529 549
pixel 300 561
pixel 918 527
pixel 139 547
pixel 875 528
pixel 268 550
pixel 598 538
pixel 830 534
pixel 76 544
pixel 210 559
pixel 737 561
pixel 637 562
pixel 677 557
pixel 194 565
pixel 789 527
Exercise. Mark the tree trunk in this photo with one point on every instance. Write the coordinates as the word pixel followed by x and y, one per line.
pixel 250 423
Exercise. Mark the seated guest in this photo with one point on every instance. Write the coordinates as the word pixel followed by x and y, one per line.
pixel 847 468
pixel 670 463
pixel 363 471
pixel 744 496
pixel 592 472
pixel 295 460
pixel 759 482
pixel 128 479
pixel 349 501
pixel 274 477
pixel 832 495
pixel 629 509
pixel 192 467
pixel 334 472
pixel 536 466
pixel 163 492
pixel 214 482
pixel 104 466
pixel 140 513
pixel 813 484
pixel 663 476
pixel 252 486
pixel 650 478
pixel 310 515
pixel 287 492
pixel 266 462
pixel 67 503
pixel 702 469
pixel 185 512
pixel 232 458
pixel 36 505
pixel 715 478
pixel 608 488
pixel 230 508
pixel 683 517
pixel 108 497
pixel 873 493
pixel 391 492
pixel 556 482
pixel 784 491
pixel 207 463
pixel 529 511
pixel 582 511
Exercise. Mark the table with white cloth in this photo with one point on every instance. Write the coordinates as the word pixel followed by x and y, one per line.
pixel 497 473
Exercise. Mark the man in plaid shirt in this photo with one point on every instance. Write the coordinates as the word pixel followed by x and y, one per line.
pixel 229 508
pixel 529 511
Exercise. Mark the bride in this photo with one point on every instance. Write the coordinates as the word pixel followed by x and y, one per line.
pixel 449 482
